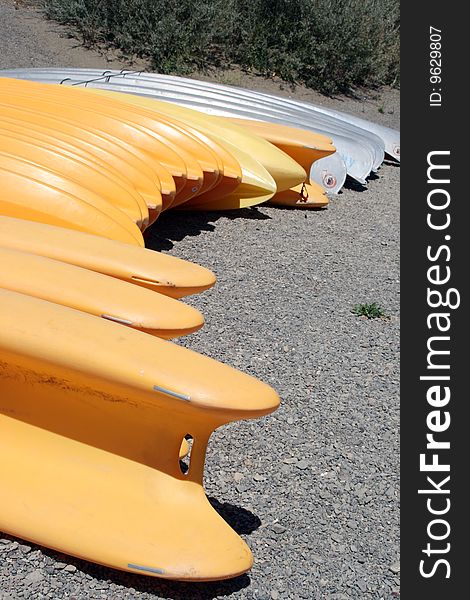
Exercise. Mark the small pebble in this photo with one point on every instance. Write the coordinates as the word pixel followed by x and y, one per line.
pixel 278 528
pixel 70 568
pixel 395 567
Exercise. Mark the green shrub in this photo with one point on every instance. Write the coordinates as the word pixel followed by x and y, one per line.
pixel 330 45
pixel 371 311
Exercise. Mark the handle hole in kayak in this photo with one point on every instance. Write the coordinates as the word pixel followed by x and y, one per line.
pixel 185 453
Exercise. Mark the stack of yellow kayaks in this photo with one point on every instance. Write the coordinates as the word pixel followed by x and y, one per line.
pixel 158 272
pixel 95 407
pixel 92 416
pixel 214 163
pixel 96 294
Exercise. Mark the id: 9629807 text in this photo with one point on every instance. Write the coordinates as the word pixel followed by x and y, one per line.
pixel 435 66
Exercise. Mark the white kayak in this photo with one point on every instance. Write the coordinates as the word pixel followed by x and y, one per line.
pixel 390 136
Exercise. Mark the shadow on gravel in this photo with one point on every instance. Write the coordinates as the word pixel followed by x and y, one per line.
pixel 241 520
pixel 355 186
pixel 159 588
pixel 174 226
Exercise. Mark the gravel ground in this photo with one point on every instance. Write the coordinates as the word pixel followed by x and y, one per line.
pixel 313 488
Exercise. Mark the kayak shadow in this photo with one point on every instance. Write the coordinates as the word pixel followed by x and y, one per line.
pixel 175 225
pixel 391 162
pixel 355 186
pixel 373 176
pixel 240 520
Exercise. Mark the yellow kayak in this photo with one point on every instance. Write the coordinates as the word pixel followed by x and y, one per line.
pixel 96 294
pixel 92 416
pixel 31 192
pixel 305 147
pixel 159 272
pixel 151 179
pixel 256 186
pixel 308 195
pixel 78 170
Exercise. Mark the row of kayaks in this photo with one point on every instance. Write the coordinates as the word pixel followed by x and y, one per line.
pixel 101 277
pixel 97 405
pixel 360 144
pixel 178 158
